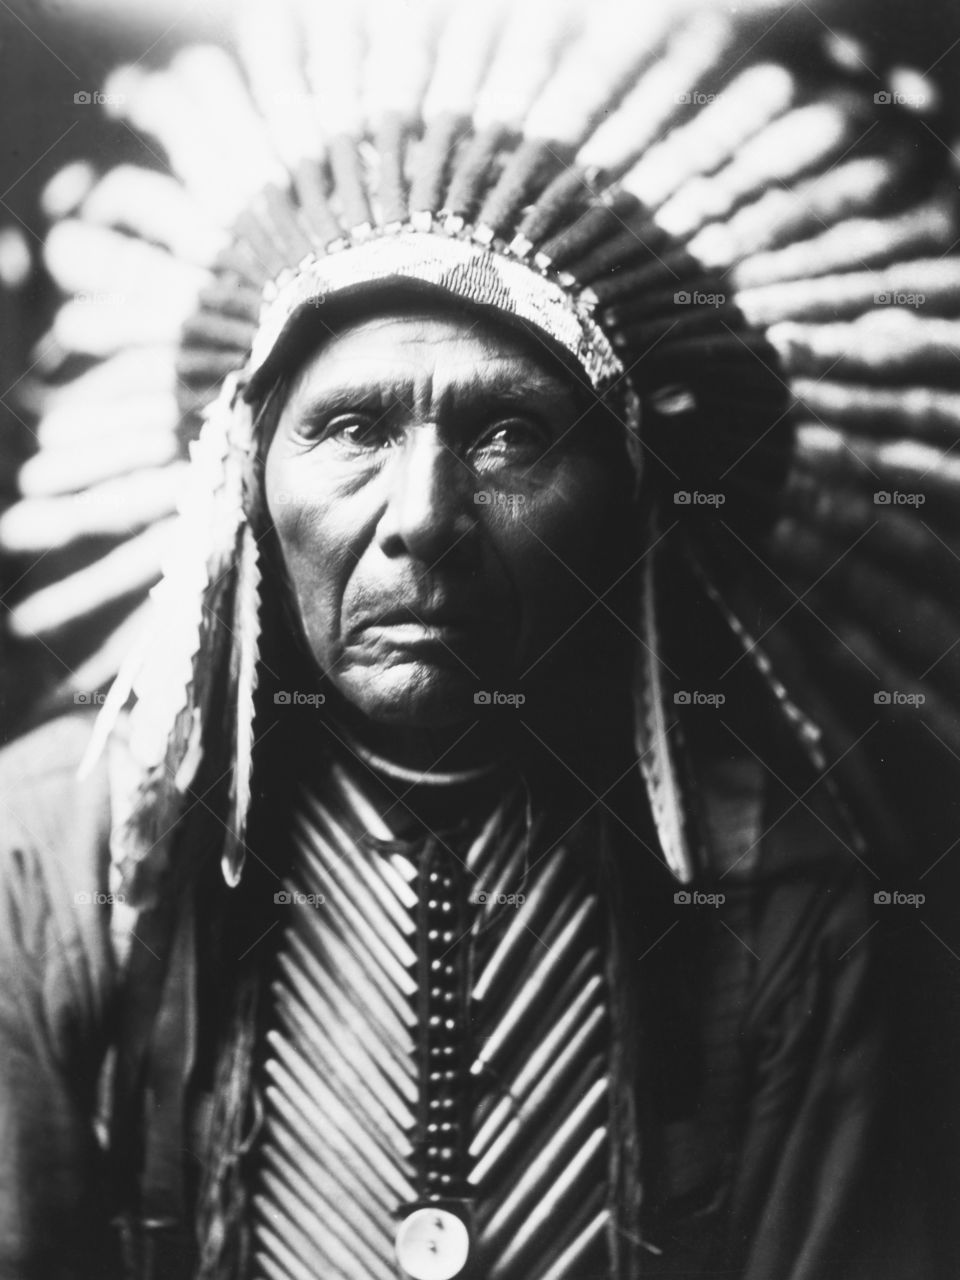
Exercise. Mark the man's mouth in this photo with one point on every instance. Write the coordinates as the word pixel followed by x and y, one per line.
pixel 427 616
pixel 406 624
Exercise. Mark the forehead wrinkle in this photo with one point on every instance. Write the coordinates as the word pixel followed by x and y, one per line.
pixel 429 387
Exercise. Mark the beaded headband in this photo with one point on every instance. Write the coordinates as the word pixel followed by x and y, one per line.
pixel 453 266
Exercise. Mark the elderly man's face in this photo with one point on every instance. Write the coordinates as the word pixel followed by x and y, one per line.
pixel 448 506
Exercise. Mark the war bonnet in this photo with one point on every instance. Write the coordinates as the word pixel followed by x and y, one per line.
pixel 712 238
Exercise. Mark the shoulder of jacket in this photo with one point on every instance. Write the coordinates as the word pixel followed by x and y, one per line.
pixel 54 748
pixel 54 824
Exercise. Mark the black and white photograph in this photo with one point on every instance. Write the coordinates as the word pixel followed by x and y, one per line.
pixel 479 640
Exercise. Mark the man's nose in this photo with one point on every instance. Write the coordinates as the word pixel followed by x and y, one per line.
pixel 427 513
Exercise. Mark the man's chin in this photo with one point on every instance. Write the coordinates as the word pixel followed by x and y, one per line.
pixel 413 695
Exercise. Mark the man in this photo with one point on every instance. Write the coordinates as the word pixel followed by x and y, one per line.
pixel 358 953
pixel 510 853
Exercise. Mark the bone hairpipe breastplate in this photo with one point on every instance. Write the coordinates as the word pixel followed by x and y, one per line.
pixel 441 1077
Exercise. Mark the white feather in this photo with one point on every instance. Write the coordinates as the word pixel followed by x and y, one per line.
pixel 16 259
pixel 111 509
pixel 123 650
pixel 103 266
pixel 911 456
pixel 212 84
pixel 271 46
pixel 688 66
pixel 131 567
pixel 526 55
pixel 713 135
pixel 777 155
pixel 155 206
pixel 100 424
pixel 146 371
pixel 102 327
pixel 618 37
pixel 655 756
pixel 63 194
pixel 400 39
pixel 463 53
pixel 83 463
pixel 157 107
pixel 855 243
pixel 846 188
pixel 335 51
pixel 887 339
pixel 935 281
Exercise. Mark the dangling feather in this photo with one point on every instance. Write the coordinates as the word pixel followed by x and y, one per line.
pixel 655 752
pixel 177 680
pixel 244 675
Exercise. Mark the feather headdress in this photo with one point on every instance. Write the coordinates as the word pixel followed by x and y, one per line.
pixel 759 272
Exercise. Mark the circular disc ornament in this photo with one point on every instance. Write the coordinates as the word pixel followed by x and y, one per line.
pixel 432 1244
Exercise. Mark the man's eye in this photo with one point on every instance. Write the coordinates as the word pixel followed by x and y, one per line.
pixel 510 436
pixel 358 431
